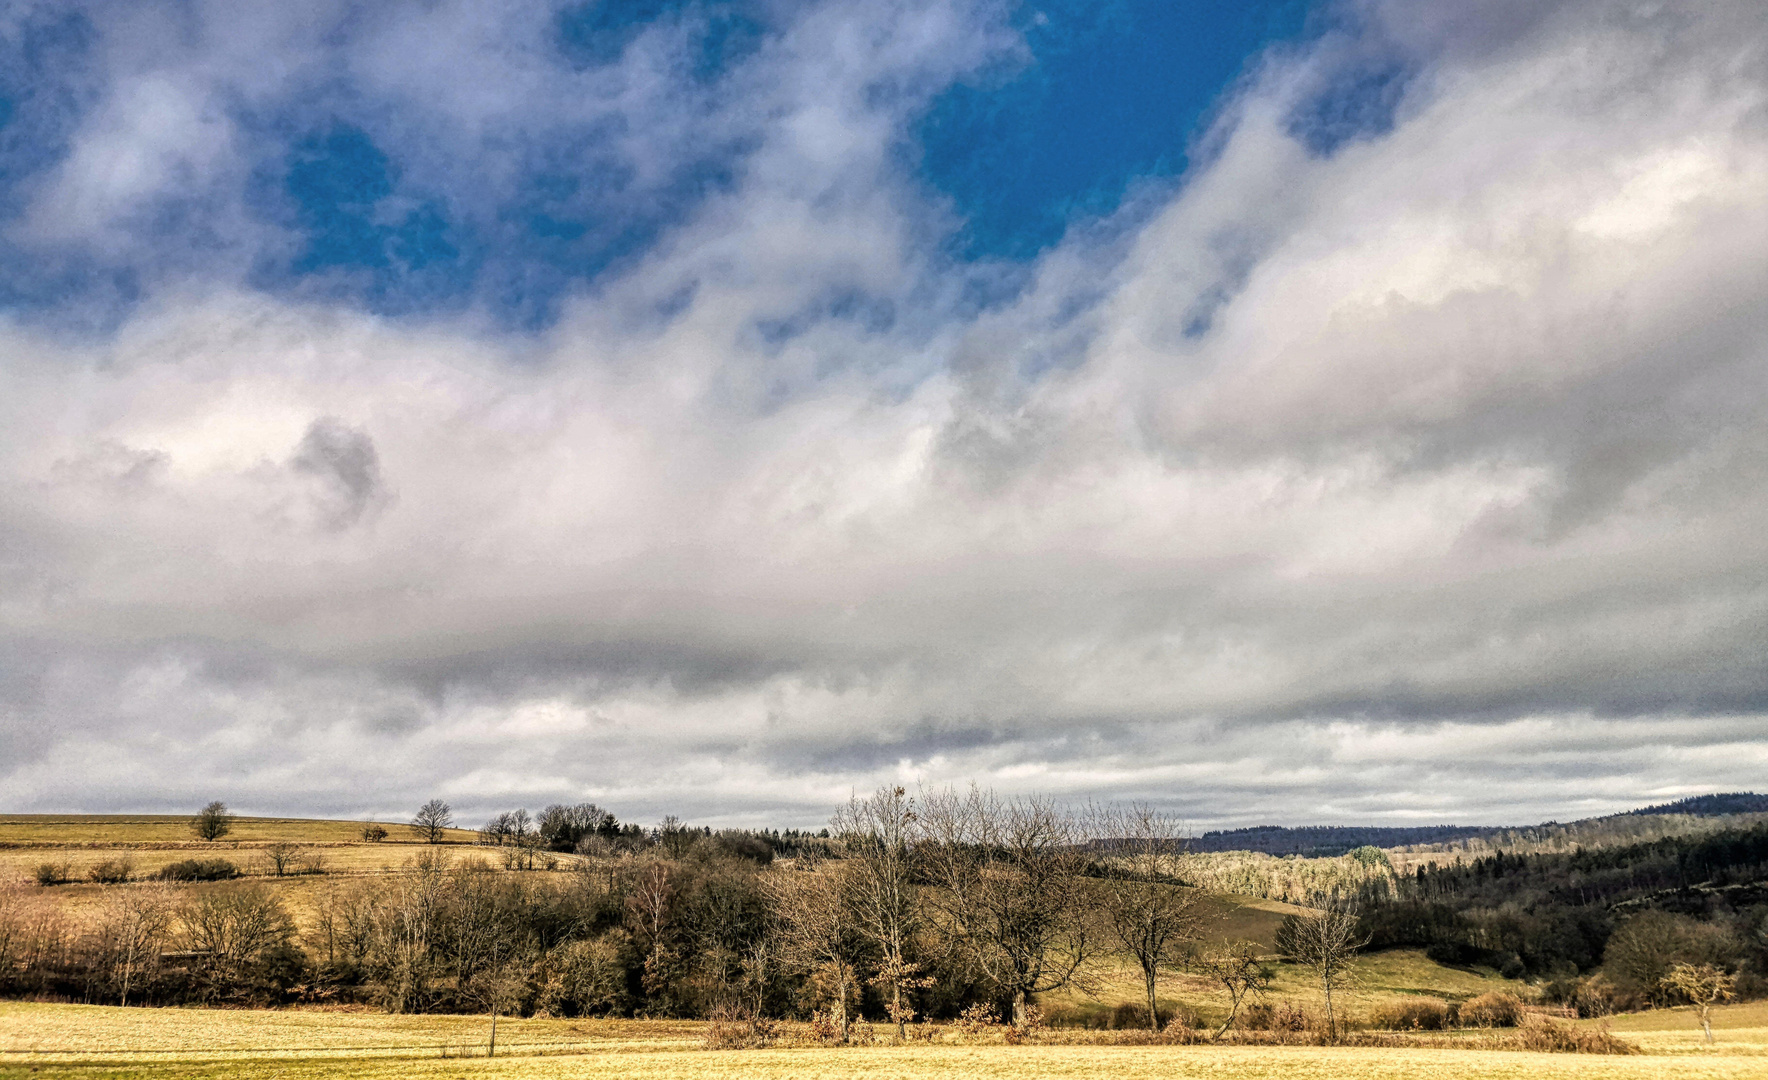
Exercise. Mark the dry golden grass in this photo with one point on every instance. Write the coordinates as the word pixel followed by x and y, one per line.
pixel 86 1041
pixel 1379 978
pixel 129 829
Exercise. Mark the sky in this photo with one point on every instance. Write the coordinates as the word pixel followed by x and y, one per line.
pixel 1347 411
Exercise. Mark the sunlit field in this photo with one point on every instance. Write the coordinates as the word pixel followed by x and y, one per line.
pixel 91 1041
pixel 104 830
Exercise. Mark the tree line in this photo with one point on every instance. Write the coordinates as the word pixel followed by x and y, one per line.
pixel 941 905
pixel 944 904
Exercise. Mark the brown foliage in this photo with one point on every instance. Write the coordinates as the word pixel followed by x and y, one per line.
pixel 1492 1010
pixel 1414 1014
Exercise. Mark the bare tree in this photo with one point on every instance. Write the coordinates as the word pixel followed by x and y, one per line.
pixel 677 839
pixel 875 837
pixel 281 857
pixel 213 821
pixel 1010 887
pixel 234 927
pixel 432 821
pixel 1239 970
pixel 499 989
pixel 1704 985
pixel 1151 915
pixel 815 933
pixel 650 903
pixel 404 925
pixel 1325 941
pixel 373 832
pixel 496 832
pixel 133 926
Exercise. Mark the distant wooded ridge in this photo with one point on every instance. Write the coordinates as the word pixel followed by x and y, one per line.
pixel 1326 840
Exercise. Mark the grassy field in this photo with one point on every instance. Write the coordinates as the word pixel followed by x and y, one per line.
pixel 91 1041
pixel 125 830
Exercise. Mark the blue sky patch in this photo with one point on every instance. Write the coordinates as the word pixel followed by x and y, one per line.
pixel 720 34
pixel 1359 104
pixel 1114 92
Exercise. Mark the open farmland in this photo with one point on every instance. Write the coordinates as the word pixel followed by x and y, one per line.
pixel 157 830
pixel 91 1041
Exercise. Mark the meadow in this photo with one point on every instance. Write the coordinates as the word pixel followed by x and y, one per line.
pixel 45 1040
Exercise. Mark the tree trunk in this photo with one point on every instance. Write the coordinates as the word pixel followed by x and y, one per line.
pixel 1706 1025
pixel 1020 1001
pixel 902 1031
pixel 1153 1009
pixel 492 1051
pixel 841 1005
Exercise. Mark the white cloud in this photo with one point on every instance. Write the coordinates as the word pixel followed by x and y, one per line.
pixel 1447 509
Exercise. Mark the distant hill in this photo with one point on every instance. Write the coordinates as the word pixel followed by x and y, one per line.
pixel 1317 841
pixel 1736 802
pixel 1320 841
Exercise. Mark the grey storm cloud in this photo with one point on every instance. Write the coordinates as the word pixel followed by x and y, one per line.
pixel 1451 507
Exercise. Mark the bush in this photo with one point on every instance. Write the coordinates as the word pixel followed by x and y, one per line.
pixel 1592 997
pixel 738 1027
pixel 51 873
pixel 111 871
pixel 1281 1016
pixel 1493 1010
pixel 199 870
pixel 1414 1014
pixel 1543 1035
pixel 373 833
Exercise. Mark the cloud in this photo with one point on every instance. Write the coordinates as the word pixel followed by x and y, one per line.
pixel 1400 467
pixel 343 462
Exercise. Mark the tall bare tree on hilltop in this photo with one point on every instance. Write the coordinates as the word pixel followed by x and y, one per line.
pixel 432 821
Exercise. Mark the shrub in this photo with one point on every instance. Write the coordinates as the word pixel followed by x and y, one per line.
pixel 978 1018
pixel 1543 1035
pixel 373 833
pixel 1281 1016
pixel 51 873
pixel 737 1027
pixel 198 870
pixel 111 871
pixel 1414 1014
pixel 1493 1010
pixel 1595 996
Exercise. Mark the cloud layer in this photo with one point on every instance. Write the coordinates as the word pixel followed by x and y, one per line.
pixel 1405 461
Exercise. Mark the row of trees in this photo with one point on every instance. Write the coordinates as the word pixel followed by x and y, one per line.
pixel 909 907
